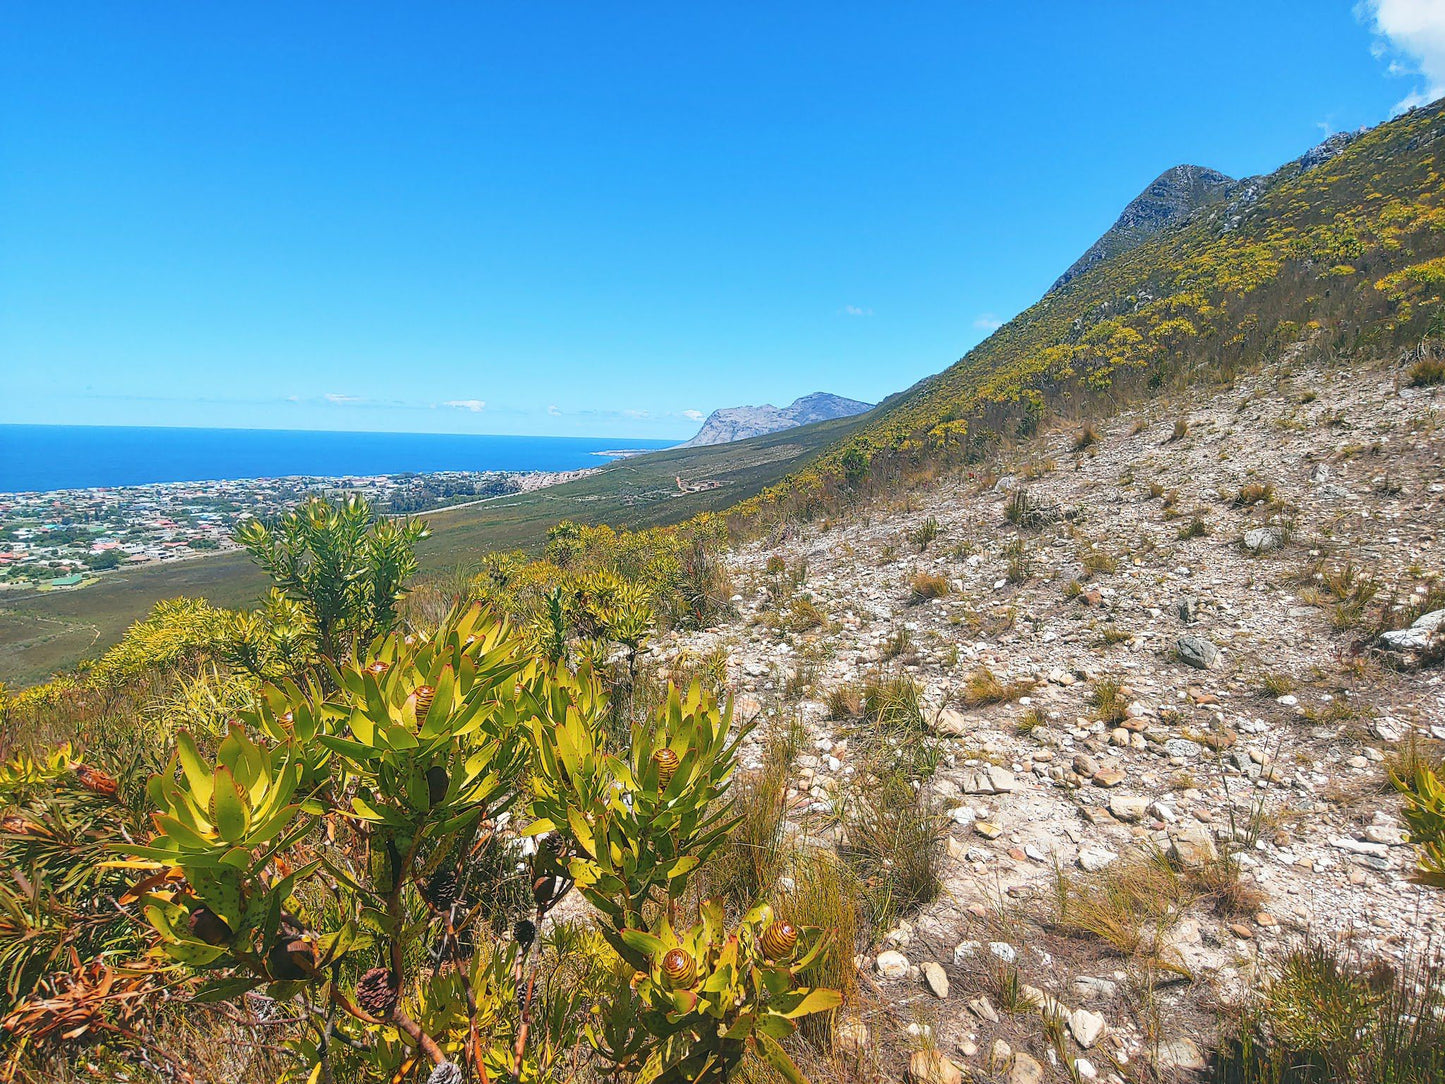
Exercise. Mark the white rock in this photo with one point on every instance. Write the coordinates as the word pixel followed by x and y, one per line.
pixel 936 979
pixel 1086 1027
pixel 891 965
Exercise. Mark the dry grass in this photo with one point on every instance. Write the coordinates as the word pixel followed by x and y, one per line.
pixel 984 687
pixel 1252 493
pixel 892 840
pixel 1325 1013
pixel 1097 562
pixel 1127 905
pixel 1273 684
pixel 1428 372
pixel 1110 703
pixel 926 586
pixel 1195 528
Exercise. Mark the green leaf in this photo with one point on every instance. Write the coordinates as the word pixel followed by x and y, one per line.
pixel 230 807
pixel 779 1060
pixel 646 943
pixel 224 990
pixel 197 771
pixel 812 1001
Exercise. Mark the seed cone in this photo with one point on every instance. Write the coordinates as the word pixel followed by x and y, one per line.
pixel 210 927
pixel 667 764
pixel 448 1072
pixel 436 783
pixel 17 825
pixel 679 969
pixel 424 695
pixel 96 781
pixel 525 932
pixel 440 889
pixel 377 668
pixel 779 940
pixel 293 959
pixel 376 991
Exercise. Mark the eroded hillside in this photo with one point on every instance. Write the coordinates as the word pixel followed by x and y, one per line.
pixel 1147 635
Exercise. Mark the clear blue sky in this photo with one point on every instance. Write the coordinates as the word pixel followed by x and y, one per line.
pixel 600 219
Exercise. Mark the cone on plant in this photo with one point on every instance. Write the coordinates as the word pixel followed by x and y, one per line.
pixel 210 927
pixel 376 992
pixel 679 969
pixel 440 889
pixel 95 781
pixel 667 764
pixel 423 694
pixel 779 940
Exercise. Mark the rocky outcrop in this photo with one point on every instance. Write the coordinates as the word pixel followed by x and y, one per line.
pixel 1172 197
pixel 738 423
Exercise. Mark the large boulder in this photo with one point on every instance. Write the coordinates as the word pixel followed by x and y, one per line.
pixel 1263 539
pixel 1427 632
pixel 1197 652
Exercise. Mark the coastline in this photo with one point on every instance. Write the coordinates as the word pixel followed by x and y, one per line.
pixel 70 539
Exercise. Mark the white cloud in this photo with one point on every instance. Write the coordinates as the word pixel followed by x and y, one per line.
pixel 1415 30
pixel 635 413
pixel 332 397
pixel 855 310
pixel 552 410
pixel 988 322
pixel 474 405
pixel 694 415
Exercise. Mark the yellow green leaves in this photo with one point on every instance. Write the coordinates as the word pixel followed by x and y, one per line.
pixel 228 807
pixel 1424 812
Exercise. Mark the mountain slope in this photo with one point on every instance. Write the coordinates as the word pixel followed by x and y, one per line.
pixel 1346 249
pixel 739 423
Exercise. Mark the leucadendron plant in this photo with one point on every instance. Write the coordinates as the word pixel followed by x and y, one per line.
pixel 352 845
pixel 629 833
pixel 324 851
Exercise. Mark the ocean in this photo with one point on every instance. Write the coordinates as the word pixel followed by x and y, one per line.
pixel 38 458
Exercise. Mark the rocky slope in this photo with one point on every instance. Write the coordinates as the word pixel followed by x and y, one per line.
pixel 739 423
pixel 1171 198
pixel 1205 555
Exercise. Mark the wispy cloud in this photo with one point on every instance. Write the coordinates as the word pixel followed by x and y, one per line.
pixel 856 310
pixel 1411 34
pixel 552 410
pixel 333 397
pixel 634 414
pixel 694 415
pixel 476 406
pixel 987 322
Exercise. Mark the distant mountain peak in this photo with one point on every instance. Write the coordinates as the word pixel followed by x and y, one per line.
pixel 1171 198
pixel 738 423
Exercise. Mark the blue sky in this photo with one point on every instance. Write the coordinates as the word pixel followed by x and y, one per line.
pixel 601 219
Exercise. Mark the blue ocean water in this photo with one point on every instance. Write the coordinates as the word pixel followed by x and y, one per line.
pixel 37 458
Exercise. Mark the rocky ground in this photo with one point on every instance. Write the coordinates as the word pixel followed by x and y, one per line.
pixel 1210 568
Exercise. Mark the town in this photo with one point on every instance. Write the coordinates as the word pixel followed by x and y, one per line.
pixel 65 539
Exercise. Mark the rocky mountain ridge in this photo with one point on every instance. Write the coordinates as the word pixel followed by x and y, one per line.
pixel 1179 193
pixel 739 423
